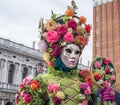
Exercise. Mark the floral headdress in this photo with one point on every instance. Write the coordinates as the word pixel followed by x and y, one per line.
pixel 61 30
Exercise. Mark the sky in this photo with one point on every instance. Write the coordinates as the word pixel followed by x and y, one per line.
pixel 19 19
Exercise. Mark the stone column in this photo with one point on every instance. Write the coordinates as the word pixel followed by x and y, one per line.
pixel 19 74
pixel 33 71
pixel 2 103
pixel 5 72
pixel 16 75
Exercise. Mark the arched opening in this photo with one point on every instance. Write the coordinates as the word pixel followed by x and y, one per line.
pixel 25 72
pixel 9 103
pixel 11 73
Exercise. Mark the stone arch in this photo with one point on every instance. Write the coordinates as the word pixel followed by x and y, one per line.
pixel 25 72
pixel 9 103
pixel 11 73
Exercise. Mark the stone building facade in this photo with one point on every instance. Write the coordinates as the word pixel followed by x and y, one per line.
pixel 106 32
pixel 16 62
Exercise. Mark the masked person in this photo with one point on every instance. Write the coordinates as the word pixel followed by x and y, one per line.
pixel 62 40
pixel 39 69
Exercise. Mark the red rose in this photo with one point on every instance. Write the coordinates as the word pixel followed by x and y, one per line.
pixel 56 100
pixel 56 50
pixel 62 30
pixel 72 24
pixel 88 28
pixel 107 71
pixel 88 80
pixel 97 76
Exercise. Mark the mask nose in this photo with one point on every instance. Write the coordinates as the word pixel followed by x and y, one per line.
pixel 73 55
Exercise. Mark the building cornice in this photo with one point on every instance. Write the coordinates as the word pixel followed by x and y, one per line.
pixel 19 48
pixel 100 2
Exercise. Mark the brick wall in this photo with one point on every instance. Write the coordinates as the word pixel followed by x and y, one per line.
pixel 106 33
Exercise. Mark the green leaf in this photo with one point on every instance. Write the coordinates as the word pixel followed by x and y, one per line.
pixel 53 16
pixel 50 50
pixel 65 18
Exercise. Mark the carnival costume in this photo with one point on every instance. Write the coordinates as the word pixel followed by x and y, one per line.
pixel 62 41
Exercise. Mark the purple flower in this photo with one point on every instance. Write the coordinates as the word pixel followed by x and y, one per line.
pixel 56 100
pixel 56 50
pixel 62 29
pixel 42 45
pixel 72 24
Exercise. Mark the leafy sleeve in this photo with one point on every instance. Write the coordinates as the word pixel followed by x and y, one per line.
pixel 32 91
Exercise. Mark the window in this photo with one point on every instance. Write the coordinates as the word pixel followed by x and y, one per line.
pixel 97 31
pixel 11 73
pixel 25 72
pixel 97 44
pixel 97 18
pixel 96 8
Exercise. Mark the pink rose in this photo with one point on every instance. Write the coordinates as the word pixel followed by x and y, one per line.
pixel 42 45
pixel 52 36
pixel 106 84
pixel 56 50
pixel 27 80
pixel 16 98
pixel 68 38
pixel 113 77
pixel 21 85
pixel 62 30
pixel 97 64
pixel 53 87
pixel 72 24
pixel 87 91
pixel 85 102
pixel 27 98
pixel 107 61
pixel 84 85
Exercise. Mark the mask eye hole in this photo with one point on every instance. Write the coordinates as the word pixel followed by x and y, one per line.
pixel 77 52
pixel 68 50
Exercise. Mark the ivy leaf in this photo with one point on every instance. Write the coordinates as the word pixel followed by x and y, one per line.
pixel 65 18
pixel 53 16
pixel 50 50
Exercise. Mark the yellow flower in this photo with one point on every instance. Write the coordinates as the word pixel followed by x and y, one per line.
pixel 82 96
pixel 46 56
pixel 60 95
